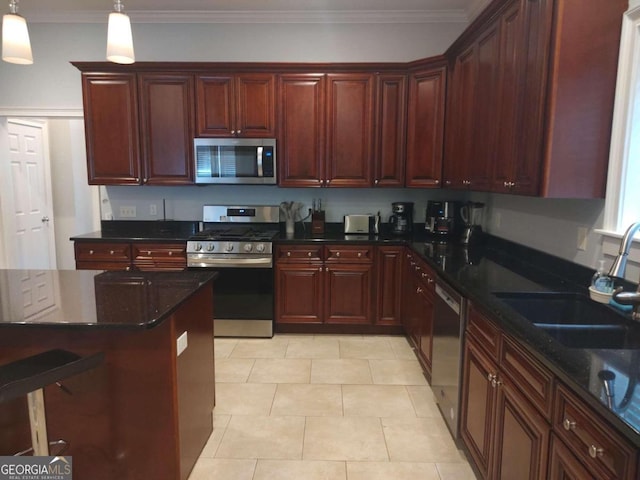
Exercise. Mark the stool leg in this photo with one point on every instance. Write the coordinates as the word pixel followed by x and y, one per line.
pixel 38 422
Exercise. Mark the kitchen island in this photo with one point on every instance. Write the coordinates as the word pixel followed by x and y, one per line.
pixel 146 411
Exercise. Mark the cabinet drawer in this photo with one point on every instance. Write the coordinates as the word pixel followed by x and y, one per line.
pixel 425 275
pixel 485 332
pixel 159 252
pixel 534 380
pixel 102 252
pixel 349 254
pixel 591 439
pixel 299 253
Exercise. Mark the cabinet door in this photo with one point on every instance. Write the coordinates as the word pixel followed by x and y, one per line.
pixel 478 405
pixel 215 105
pixel 299 291
pixel 301 140
pixel 255 108
pixel 425 128
pixel 410 312
pixel 111 128
pixel 389 285
pixel 390 143
pixel 167 118
pixel 348 293
pixel 460 120
pixel 521 438
pixel 425 302
pixel 349 130
pixel 563 465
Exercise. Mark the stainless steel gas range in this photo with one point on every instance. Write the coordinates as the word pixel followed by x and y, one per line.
pixel 237 241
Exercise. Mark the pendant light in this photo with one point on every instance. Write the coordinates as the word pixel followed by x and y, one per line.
pixel 119 39
pixel 16 47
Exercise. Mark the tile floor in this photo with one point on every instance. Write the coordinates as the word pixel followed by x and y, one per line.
pixel 325 407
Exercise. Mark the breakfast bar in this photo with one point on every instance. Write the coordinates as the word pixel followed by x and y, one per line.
pixel 146 410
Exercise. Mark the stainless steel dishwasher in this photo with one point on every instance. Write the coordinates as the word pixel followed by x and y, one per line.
pixel 448 332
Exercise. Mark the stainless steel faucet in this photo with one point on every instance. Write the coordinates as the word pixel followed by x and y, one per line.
pixel 618 270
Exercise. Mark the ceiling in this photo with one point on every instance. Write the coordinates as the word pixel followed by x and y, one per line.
pixel 252 11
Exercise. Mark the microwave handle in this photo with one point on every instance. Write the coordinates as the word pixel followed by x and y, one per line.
pixel 260 172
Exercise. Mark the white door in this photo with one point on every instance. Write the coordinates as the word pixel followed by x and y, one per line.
pixel 27 206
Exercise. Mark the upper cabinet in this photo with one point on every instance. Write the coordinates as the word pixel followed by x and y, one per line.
pixel 425 127
pixel 240 105
pixel 139 128
pixel 531 101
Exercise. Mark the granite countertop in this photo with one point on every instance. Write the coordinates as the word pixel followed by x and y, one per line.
pixel 141 230
pixel 90 299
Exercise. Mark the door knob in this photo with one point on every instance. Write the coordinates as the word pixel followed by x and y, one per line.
pixel 45 219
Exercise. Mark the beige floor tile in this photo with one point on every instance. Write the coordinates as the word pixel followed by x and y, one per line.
pixel 281 370
pixel 366 348
pixel 233 370
pixel 344 438
pixel 401 348
pixel 220 423
pixel 313 347
pixel 222 469
pixel 299 470
pixel 420 440
pixel 274 347
pixel 222 347
pixel 263 437
pixel 341 371
pixel 423 401
pixel 397 372
pixel 377 401
pixel 308 400
pixel 244 398
pixel 391 471
pixel 454 471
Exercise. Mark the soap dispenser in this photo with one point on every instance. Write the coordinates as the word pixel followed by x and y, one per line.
pixel 601 281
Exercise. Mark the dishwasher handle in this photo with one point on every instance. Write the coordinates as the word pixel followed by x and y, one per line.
pixel 451 302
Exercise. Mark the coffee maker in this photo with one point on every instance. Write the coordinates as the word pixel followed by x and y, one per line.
pixel 471 213
pixel 442 219
pixel 401 220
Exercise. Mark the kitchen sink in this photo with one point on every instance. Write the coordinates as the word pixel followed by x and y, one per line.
pixel 574 320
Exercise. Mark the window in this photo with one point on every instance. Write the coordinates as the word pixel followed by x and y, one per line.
pixel 622 206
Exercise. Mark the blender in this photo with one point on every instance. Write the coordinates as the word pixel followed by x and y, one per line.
pixel 471 213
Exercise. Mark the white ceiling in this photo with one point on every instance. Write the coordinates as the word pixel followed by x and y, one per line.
pixel 252 11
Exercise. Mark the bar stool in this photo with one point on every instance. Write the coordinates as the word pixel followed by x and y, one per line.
pixel 30 375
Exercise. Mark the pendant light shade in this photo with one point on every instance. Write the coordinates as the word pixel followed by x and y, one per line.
pixel 119 38
pixel 16 47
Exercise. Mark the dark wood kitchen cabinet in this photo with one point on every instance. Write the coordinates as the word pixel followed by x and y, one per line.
pixel 389 283
pixel 139 128
pixel 425 127
pixel 102 255
pixel 301 127
pixel 142 256
pixel 506 404
pixel 166 128
pixel 111 124
pixel 391 130
pixel 240 105
pixel 547 138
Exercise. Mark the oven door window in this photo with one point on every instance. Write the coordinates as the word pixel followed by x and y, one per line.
pixel 227 161
pixel 243 294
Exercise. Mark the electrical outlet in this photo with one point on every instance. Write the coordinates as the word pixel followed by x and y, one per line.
pixel 582 238
pixel 153 209
pixel 128 212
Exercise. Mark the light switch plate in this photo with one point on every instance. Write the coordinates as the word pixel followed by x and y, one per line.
pixel 182 343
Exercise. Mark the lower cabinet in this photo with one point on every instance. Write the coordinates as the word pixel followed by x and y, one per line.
pixel 326 284
pixel 147 256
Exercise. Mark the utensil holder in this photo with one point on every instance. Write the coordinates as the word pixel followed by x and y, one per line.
pixel 317 222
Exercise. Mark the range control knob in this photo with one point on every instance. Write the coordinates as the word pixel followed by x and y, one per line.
pixel 228 247
pixel 260 248
pixel 247 247
pixel 210 247
pixel 198 247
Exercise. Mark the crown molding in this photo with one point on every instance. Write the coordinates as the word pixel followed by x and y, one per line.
pixel 271 17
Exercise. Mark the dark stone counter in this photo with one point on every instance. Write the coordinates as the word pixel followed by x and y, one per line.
pixel 88 298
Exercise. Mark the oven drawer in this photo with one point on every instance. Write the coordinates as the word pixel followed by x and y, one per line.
pixel 299 253
pixel 349 254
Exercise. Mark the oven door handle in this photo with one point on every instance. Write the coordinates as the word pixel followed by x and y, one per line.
pixel 260 262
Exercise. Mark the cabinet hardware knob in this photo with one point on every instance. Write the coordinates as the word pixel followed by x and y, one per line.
pixel 430 280
pixel 419 290
pixel 337 254
pixel 90 252
pixel 416 268
pixel 496 383
pixel 308 254
pixel 170 253
pixel 233 132
pixel 239 132
pixel 448 182
pixel 437 182
pixel 595 452
pixel 424 275
pixel 568 424
pixel 288 254
pixel 149 252
pixel 359 254
pixel 111 252
pixel 328 182
pixel 127 268
pixel 377 182
pixel 491 377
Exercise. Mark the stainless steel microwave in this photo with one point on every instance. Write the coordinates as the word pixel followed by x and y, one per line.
pixel 237 161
